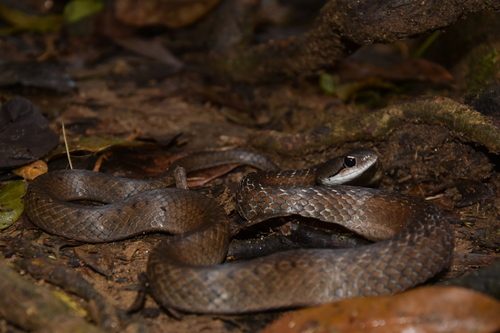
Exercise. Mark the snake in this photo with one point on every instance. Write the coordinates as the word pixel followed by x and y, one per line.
pixel 412 239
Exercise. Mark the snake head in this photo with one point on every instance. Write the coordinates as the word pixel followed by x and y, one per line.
pixel 359 167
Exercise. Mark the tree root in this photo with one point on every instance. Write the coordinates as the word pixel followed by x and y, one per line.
pixel 469 125
pixel 342 26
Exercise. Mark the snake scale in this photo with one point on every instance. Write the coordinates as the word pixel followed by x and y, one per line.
pixel 413 240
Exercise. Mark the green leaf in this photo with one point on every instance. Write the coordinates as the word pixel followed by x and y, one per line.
pixel 11 203
pixel 77 10
pixel 328 83
pixel 95 144
pixel 21 21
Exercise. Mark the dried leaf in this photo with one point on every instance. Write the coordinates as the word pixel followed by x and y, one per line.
pixel 43 75
pixel 173 14
pixel 102 263
pixel 32 171
pixel 203 177
pixel 25 134
pixel 427 309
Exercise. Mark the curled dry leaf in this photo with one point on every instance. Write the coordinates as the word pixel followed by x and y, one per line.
pixel 427 309
pixel 173 14
pixel 32 170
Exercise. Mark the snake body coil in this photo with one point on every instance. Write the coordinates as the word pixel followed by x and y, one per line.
pixel 185 273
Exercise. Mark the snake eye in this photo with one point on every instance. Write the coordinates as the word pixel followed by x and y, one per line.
pixel 349 161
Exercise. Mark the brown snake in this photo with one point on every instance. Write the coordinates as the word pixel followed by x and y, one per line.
pixel 184 271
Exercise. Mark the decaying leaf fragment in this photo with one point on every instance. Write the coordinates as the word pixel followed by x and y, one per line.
pixel 25 134
pixel 427 309
pixel 171 13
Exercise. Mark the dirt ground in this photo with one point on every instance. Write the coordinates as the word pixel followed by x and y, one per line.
pixel 419 159
pixel 118 122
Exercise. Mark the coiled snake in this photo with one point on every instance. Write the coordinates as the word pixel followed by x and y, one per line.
pixel 185 271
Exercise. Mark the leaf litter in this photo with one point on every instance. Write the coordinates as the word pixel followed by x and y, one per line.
pixel 124 99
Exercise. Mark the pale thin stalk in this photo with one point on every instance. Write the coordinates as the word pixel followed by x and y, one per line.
pixel 66 145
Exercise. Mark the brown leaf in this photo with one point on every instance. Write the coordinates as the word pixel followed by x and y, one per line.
pixel 173 14
pixel 152 49
pixel 101 262
pixel 427 309
pixel 202 177
pixel 381 61
pixel 25 135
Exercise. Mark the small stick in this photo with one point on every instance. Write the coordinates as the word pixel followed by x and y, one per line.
pixel 66 145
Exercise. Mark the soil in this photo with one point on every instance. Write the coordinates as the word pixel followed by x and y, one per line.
pixel 127 119
pixel 419 159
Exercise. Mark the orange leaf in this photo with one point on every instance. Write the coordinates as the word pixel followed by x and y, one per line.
pixel 32 170
pixel 426 309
